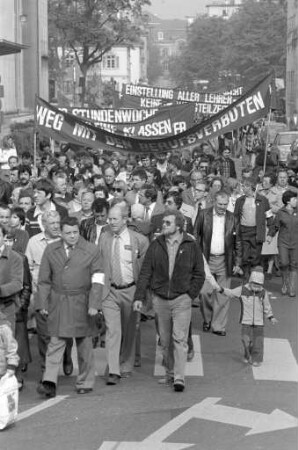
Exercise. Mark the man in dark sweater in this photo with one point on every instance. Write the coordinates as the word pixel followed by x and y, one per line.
pixel 173 269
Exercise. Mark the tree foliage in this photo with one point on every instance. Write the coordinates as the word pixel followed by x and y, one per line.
pixel 90 28
pixel 251 43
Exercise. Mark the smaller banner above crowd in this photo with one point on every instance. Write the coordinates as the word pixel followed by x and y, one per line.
pixel 207 103
pixel 166 121
pixel 61 126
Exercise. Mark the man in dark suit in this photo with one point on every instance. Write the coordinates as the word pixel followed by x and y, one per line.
pixel 215 229
pixel 91 229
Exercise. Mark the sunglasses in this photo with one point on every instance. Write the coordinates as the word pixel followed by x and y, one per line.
pixel 117 190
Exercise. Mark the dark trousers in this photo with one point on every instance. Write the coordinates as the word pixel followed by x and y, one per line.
pixel 43 340
pixel 251 248
pixel 252 337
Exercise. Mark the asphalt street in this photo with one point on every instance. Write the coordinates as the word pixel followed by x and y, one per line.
pixel 226 405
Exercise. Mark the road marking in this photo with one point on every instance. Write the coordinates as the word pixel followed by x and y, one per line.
pixel 279 362
pixel 193 368
pixel 41 407
pixel 209 410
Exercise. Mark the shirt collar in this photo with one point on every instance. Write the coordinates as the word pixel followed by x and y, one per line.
pixel 177 240
pixel 39 212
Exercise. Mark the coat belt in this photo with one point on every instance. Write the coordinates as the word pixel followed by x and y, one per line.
pixel 71 291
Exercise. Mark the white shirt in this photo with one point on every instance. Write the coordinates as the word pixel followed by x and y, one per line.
pixel 218 235
pixel 98 233
pixel 125 257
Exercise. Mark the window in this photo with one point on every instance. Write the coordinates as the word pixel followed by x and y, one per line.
pixel 160 36
pixel 110 62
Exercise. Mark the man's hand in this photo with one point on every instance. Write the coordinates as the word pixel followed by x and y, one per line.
pixel 237 270
pixel 228 292
pixel 44 312
pixel 137 306
pixel 269 239
pixel 273 320
pixel 92 312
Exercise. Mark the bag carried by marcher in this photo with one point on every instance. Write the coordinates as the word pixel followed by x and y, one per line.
pixel 9 399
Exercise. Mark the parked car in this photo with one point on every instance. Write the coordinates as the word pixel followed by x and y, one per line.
pixel 282 144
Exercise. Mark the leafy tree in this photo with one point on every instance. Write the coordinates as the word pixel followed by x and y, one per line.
pixel 251 43
pixel 90 28
pixel 256 40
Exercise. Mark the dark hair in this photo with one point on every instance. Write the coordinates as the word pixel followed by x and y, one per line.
pixel 139 172
pixel 176 196
pixel 150 192
pixel 176 161
pixel 24 168
pixel 44 185
pixel 286 196
pixel 70 221
pixel 4 206
pixel 25 193
pixel 99 205
pixel 179 218
pixel 26 155
pixel 222 193
pixel 13 156
pixel 103 189
pixel 178 179
pixel 18 211
pixel 271 176
pixel 217 179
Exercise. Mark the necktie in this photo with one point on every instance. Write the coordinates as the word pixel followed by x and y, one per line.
pixel 116 266
pixel 147 215
pixel 70 249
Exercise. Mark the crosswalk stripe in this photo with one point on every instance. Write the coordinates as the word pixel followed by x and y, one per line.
pixel 193 368
pixel 41 407
pixel 279 362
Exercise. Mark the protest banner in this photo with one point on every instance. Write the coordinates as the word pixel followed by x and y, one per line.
pixel 61 126
pixel 165 121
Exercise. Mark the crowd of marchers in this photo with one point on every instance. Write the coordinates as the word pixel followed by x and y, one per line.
pixel 92 245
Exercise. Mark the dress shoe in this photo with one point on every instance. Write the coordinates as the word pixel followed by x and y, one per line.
pixel 125 374
pixel 190 355
pixel 84 390
pixel 67 366
pixel 166 380
pixel 47 389
pixel 219 333
pixel 179 385
pixel 206 326
pixel 113 379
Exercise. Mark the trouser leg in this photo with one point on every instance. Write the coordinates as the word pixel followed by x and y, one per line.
pixel 129 321
pixel 181 316
pixel 86 376
pixel 246 338
pixel 54 358
pixel 257 351
pixel 221 305
pixel 163 312
pixel 112 315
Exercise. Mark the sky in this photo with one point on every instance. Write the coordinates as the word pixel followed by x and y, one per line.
pixel 177 9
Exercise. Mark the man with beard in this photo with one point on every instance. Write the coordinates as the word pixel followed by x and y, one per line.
pixel 173 269
pixel 25 173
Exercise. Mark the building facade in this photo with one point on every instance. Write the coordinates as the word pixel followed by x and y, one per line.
pixel 223 8
pixel 292 65
pixel 26 73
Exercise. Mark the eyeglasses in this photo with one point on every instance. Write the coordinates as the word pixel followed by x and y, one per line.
pixel 167 223
pixel 117 190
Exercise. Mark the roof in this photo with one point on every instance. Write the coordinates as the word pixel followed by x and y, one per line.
pixel 8 47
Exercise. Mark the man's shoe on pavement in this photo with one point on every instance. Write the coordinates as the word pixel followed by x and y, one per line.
pixel 206 326
pixel 219 333
pixel 125 374
pixel 179 385
pixel 166 380
pixel 47 389
pixel 190 355
pixel 84 390
pixel 67 365
pixel 113 379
